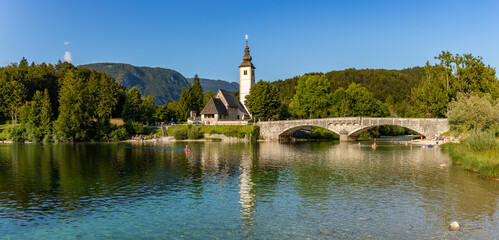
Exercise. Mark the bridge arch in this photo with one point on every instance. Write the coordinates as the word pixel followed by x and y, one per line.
pixel 288 132
pixel 357 131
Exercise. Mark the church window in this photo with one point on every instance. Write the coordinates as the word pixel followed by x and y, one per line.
pixel 245 72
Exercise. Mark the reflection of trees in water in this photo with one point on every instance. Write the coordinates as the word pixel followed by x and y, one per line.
pixel 69 177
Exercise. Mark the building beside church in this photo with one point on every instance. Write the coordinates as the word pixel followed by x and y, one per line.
pixel 225 106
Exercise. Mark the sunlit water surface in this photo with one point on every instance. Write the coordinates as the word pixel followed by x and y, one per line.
pixel 240 190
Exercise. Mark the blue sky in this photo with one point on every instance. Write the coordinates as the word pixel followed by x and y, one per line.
pixel 286 38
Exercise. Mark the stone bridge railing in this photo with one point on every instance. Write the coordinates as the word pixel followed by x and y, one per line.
pixel 349 128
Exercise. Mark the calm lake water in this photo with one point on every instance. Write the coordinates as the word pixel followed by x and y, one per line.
pixel 320 190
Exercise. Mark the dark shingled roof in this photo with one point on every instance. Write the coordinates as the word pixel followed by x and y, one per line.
pixel 232 100
pixel 215 106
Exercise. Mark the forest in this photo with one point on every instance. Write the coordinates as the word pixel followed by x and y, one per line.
pixel 64 103
pixel 414 92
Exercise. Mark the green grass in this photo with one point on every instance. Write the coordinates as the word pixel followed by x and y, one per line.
pixel 479 153
pixel 239 131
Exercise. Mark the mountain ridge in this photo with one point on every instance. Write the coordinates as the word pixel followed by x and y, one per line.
pixel 161 83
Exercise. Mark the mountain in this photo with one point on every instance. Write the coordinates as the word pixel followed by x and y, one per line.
pixel 161 83
pixel 214 85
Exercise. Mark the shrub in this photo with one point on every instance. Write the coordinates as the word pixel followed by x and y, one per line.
pixel 133 127
pixel 119 134
pixel 15 133
pixel 180 134
pixel 193 133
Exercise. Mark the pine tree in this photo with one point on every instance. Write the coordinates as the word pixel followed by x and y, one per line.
pixel 197 95
pixel 183 104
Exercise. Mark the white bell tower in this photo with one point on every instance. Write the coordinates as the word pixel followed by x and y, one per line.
pixel 246 75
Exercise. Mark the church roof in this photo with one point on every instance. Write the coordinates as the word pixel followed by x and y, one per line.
pixel 247 58
pixel 214 106
pixel 231 100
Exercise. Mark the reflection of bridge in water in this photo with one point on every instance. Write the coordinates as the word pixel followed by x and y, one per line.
pixel 349 128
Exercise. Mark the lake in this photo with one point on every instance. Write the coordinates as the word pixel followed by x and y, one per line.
pixel 267 190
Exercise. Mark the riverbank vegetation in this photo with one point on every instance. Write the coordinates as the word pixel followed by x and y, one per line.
pixel 476 119
pixel 478 153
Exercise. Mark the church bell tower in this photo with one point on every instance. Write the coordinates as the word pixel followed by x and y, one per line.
pixel 246 75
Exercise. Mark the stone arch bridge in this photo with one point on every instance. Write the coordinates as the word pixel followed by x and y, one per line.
pixel 349 128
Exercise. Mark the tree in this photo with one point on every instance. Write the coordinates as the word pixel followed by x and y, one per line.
pixel 148 106
pixel 442 81
pixel 363 103
pixel 75 110
pixel 172 106
pixel 36 116
pixel 15 99
pixel 340 106
pixel 312 97
pixel 431 98
pixel 207 96
pixel 472 112
pixel 197 95
pixel 184 103
pixel 133 109
pixel 107 97
pixel 263 101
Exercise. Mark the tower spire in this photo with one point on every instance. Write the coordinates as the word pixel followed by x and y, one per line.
pixel 247 57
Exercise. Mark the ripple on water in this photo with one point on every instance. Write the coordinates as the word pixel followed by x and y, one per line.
pixel 235 190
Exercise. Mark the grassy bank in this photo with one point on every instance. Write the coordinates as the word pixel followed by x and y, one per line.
pixel 478 153
pixel 229 131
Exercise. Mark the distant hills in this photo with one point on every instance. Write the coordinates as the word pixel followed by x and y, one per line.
pixel 161 83
pixel 214 85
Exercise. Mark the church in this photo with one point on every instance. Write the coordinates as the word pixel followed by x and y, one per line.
pixel 225 107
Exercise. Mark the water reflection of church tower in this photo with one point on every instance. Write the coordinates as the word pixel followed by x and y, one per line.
pixel 246 75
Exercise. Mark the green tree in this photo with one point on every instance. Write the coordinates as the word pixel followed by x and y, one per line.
pixel 184 103
pixel 15 99
pixel 363 103
pixel 148 106
pixel 470 112
pixel 172 107
pixel 263 101
pixel 340 106
pixel 107 97
pixel 36 117
pixel 133 109
pixel 207 96
pixel 312 98
pixel 75 110
pixel 197 95
pixel 431 98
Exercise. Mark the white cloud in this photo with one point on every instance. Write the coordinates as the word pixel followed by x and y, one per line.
pixel 67 57
pixel 66 43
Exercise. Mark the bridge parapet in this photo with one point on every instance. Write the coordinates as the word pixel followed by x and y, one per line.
pixel 349 128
